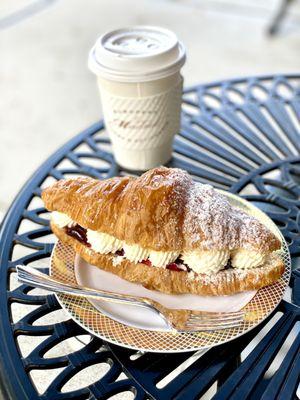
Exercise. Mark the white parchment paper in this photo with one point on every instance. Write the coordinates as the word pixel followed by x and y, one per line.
pixel 99 279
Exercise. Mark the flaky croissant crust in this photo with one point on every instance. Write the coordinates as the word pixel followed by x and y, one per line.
pixel 162 210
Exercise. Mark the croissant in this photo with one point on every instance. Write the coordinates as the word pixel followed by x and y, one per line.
pixel 164 231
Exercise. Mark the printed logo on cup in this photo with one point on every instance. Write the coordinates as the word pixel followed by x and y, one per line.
pixel 146 122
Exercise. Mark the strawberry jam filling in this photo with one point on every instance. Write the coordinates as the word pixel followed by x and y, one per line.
pixel 177 265
pixel 174 267
pixel 77 232
pixel 147 262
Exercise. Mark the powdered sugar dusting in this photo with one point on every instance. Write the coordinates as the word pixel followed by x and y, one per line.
pixel 211 222
pixel 230 275
pixel 200 217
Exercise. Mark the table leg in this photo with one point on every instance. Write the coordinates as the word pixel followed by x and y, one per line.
pixel 274 27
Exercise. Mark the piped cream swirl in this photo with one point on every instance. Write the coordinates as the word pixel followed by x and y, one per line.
pixel 135 253
pixel 102 242
pixel 162 258
pixel 206 262
pixel 61 219
pixel 246 259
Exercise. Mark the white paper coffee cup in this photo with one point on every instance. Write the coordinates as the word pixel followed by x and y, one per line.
pixel 138 72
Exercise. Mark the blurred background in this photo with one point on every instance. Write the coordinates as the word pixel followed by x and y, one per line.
pixel 47 94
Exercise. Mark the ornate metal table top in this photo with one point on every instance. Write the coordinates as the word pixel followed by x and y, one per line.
pixel 241 135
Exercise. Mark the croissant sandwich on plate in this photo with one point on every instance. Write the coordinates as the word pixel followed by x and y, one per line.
pixel 164 231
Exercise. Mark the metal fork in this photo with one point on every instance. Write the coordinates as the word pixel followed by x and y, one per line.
pixel 180 320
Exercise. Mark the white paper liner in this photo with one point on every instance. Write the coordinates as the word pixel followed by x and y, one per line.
pixel 94 277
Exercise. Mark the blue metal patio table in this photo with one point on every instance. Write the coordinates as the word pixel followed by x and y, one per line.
pixel 242 135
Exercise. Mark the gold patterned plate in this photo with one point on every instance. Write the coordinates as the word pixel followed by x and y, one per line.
pixel 91 319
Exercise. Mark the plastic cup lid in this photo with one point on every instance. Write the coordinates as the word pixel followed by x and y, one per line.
pixel 139 53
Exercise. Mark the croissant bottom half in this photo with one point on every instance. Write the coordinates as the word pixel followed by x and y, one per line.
pixel 225 282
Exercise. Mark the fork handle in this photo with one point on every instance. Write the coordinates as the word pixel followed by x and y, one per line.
pixel 38 279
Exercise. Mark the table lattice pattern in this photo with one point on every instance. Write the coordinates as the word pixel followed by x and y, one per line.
pixel 241 135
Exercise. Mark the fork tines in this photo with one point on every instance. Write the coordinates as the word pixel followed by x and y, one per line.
pixel 214 320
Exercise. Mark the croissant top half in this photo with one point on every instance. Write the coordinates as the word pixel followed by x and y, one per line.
pixel 163 210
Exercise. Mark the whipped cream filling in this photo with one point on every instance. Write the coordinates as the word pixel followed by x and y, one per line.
pixel 163 258
pixel 206 262
pixel 61 219
pixel 136 253
pixel 200 261
pixel 102 242
pixel 246 259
